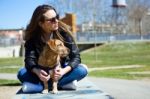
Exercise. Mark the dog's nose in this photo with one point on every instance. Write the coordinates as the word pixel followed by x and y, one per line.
pixel 64 53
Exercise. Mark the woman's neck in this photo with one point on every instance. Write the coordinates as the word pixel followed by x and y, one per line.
pixel 47 36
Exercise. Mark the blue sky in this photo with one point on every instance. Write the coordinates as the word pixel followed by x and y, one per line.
pixel 17 13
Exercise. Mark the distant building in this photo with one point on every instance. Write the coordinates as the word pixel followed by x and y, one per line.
pixel 91 26
pixel 10 37
pixel 10 42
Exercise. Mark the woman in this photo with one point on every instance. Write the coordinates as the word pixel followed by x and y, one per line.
pixel 45 25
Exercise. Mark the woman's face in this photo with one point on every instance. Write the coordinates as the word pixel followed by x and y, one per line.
pixel 51 21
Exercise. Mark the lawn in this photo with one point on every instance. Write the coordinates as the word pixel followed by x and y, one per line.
pixel 107 55
pixel 119 54
pixel 10 65
pixel 15 61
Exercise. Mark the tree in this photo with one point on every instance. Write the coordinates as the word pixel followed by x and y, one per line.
pixel 136 12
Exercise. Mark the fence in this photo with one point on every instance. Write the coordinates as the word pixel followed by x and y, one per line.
pixel 105 37
pixel 86 37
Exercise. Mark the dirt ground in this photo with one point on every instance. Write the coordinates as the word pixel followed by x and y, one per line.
pixel 7 92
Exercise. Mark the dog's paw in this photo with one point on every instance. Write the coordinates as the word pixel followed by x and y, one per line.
pixel 45 91
pixel 54 91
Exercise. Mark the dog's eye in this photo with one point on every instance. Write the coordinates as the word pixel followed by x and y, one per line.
pixel 59 45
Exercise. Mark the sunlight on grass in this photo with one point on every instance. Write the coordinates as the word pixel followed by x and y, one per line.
pixel 11 61
pixel 9 70
pixel 4 82
pixel 122 73
pixel 116 54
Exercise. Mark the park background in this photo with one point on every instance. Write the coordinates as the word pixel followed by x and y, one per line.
pixel 113 35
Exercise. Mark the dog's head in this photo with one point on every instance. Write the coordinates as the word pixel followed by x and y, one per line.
pixel 52 53
pixel 58 47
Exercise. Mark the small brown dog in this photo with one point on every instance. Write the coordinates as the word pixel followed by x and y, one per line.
pixel 50 58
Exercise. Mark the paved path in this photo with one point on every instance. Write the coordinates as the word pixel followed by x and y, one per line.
pixel 8 76
pixel 85 90
pixel 124 89
pixel 117 88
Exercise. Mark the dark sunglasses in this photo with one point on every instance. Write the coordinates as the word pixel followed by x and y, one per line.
pixel 53 20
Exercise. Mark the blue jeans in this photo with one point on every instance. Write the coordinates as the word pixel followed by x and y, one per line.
pixel 77 73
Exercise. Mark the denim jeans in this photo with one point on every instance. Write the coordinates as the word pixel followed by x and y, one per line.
pixel 24 76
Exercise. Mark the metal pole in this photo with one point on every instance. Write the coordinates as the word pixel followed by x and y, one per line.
pixel 95 45
pixel 94 31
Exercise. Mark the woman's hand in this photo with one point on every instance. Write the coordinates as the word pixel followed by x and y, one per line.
pixel 41 74
pixel 59 72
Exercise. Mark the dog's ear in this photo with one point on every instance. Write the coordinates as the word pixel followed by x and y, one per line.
pixel 52 45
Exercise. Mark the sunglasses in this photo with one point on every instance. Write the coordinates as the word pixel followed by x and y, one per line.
pixel 53 20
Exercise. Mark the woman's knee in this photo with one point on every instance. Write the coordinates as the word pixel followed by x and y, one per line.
pixel 21 72
pixel 83 70
pixel 28 87
pixel 84 66
pixel 26 76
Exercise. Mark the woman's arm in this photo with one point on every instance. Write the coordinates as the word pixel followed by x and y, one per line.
pixel 73 62
pixel 74 55
pixel 30 56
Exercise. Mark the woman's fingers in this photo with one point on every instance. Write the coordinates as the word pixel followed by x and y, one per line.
pixel 57 73
pixel 44 73
pixel 44 76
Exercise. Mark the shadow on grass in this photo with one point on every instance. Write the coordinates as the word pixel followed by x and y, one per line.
pixel 10 84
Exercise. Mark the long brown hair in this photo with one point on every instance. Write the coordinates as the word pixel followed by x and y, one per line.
pixel 33 29
pixel 67 29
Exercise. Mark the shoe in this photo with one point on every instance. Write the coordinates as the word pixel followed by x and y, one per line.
pixel 70 86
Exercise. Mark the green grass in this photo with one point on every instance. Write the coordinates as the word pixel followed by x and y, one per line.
pixel 9 70
pixel 11 61
pixel 10 65
pixel 4 82
pixel 122 73
pixel 118 54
